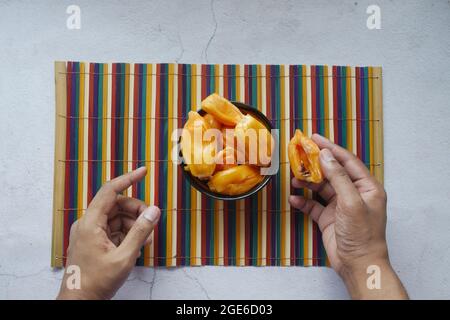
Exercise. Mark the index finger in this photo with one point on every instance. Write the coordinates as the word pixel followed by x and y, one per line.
pixel 355 168
pixel 106 197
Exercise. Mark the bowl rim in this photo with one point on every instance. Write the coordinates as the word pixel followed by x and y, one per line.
pixel 196 182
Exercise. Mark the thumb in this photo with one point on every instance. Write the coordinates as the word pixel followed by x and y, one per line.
pixel 139 232
pixel 338 178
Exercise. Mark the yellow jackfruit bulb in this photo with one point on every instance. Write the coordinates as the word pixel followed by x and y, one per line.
pixel 236 180
pixel 222 109
pixel 199 156
pixel 303 156
pixel 205 169
pixel 225 159
pixel 212 122
pixel 255 139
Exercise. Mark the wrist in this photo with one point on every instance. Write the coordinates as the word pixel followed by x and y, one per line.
pixel 356 275
pixel 76 294
pixel 373 278
pixel 357 270
pixel 71 295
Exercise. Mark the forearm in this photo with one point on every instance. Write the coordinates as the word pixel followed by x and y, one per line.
pixel 381 283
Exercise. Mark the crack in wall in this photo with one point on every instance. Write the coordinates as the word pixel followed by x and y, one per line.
pixel 152 284
pixel 16 276
pixel 205 51
pixel 198 283
pixel 181 47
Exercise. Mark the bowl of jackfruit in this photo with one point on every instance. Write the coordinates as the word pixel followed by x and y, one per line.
pixel 226 149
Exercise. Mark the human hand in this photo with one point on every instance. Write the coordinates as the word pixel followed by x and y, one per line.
pixel 106 241
pixel 353 222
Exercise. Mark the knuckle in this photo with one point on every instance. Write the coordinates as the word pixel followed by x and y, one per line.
pixel 87 229
pixel 104 246
pixel 305 206
pixel 129 179
pixel 381 193
pixel 140 204
pixel 107 186
pixel 74 227
pixel 353 206
pixel 338 171
pixel 333 163
pixel 334 148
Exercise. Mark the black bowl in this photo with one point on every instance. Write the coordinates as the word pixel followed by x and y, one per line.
pixel 202 185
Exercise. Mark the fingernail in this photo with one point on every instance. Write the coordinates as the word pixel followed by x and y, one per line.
pixel 140 169
pixel 326 155
pixel 152 214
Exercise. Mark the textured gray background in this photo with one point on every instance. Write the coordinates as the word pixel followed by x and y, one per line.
pixel 413 47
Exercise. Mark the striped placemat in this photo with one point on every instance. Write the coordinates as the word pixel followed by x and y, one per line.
pixel 112 118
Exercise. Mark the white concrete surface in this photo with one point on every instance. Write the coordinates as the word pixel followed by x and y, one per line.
pixel 413 47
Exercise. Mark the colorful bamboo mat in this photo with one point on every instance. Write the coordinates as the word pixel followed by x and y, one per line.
pixel 112 118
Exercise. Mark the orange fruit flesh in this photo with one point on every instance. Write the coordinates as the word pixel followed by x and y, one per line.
pixel 221 168
pixel 212 121
pixel 260 150
pixel 236 180
pixel 198 155
pixel 223 110
pixel 225 159
pixel 303 156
